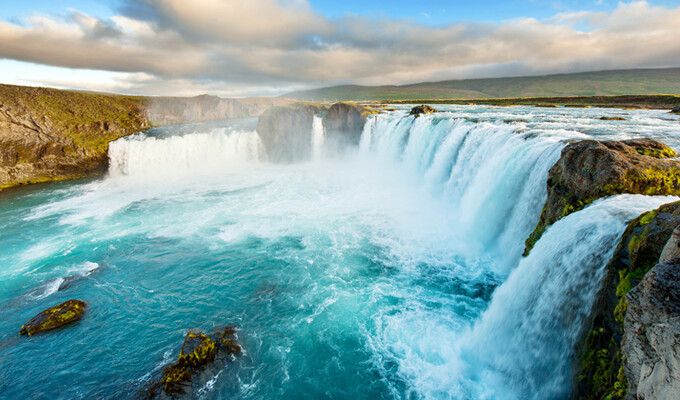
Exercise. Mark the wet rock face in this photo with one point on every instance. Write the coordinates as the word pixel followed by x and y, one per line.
pixel 652 334
pixel 422 109
pixel 54 317
pixel 590 169
pixel 286 132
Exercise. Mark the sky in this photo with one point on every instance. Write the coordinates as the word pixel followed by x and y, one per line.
pixel 236 48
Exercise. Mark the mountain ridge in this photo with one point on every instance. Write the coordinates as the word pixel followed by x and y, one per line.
pixel 595 83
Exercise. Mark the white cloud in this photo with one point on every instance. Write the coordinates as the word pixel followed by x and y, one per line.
pixel 233 47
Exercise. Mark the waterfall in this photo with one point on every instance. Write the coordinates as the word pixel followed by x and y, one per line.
pixel 525 341
pixel 491 175
pixel 318 137
pixel 205 152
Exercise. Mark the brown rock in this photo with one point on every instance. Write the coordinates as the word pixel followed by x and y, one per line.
pixel 54 317
pixel 591 169
pixel 422 109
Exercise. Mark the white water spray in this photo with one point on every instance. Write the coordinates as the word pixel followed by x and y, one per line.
pixel 318 138
pixel 204 152
pixel 492 177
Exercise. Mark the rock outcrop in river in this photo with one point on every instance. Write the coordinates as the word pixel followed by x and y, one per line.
pixel 49 134
pixel 591 169
pixel 286 131
pixel 54 317
pixel 197 353
pixel 343 124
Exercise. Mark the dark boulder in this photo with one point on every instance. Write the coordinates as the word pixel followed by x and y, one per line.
pixel 286 131
pixel 422 109
pixel 676 110
pixel 591 169
pixel 54 317
pixel 343 124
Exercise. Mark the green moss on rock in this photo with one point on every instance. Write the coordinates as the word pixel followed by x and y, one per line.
pixel 590 169
pixel 54 317
pixel 198 351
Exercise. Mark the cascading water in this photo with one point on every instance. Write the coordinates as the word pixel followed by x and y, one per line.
pixel 220 148
pixel 393 271
pixel 318 137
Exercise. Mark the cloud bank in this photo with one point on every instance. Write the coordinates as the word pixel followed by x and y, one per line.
pixel 233 47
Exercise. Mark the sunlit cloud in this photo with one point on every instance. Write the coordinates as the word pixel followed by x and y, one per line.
pixel 270 46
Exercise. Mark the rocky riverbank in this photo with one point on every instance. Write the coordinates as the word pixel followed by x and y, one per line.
pixel 49 135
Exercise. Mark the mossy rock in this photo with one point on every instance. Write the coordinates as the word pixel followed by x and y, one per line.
pixel 591 169
pixel 422 109
pixel 226 339
pixel 614 119
pixel 197 352
pixel 54 317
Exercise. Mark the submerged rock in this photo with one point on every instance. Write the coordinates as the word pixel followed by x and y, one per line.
pixel 422 109
pixel 197 353
pixel 54 317
pixel 651 343
pixel 590 169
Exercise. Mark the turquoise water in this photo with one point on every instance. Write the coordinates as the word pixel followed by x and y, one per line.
pixel 388 273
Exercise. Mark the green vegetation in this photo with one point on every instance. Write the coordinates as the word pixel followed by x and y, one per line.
pixel 602 83
pixel 54 317
pixel 90 120
pixel 653 101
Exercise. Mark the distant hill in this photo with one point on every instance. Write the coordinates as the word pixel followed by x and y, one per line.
pixel 601 83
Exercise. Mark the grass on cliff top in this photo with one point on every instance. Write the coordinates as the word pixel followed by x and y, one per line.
pixel 83 117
